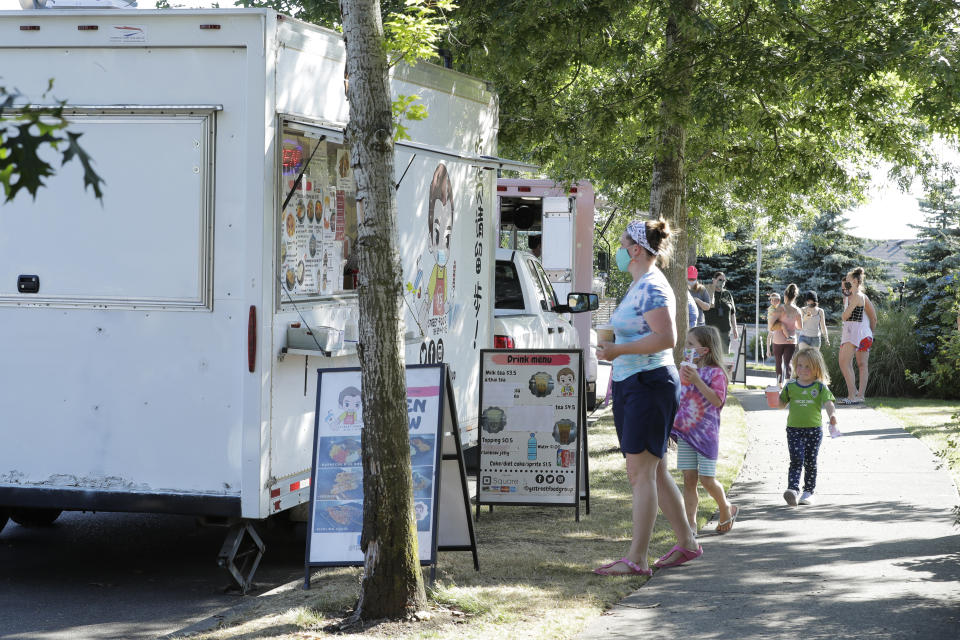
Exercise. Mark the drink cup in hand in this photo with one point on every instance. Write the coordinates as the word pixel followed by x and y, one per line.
pixel 687 366
pixel 834 431
pixel 605 333
pixel 773 396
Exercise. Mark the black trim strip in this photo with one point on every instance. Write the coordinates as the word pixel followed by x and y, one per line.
pixel 131 501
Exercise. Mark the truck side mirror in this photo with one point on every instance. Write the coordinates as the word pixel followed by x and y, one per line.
pixel 582 302
pixel 603 261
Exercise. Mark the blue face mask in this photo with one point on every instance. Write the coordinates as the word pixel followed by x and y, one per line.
pixel 623 259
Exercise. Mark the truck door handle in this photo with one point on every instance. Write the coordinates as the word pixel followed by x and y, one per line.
pixel 549 329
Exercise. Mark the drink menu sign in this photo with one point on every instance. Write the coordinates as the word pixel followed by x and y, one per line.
pixel 530 427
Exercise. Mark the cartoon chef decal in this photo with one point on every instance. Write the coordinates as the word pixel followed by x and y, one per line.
pixel 440 219
pixel 433 294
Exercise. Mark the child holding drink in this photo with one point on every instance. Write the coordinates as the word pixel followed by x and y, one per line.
pixel 805 397
pixel 696 428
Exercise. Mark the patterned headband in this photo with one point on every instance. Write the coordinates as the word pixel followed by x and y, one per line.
pixel 638 231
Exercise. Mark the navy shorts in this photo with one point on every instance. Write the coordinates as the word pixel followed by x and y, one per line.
pixel 644 406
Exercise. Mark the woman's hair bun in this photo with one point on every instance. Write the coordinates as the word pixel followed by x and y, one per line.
pixel 662 226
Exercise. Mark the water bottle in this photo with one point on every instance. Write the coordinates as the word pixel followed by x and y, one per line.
pixel 532 447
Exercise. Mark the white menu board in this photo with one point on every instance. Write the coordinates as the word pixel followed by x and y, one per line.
pixel 530 426
pixel 336 513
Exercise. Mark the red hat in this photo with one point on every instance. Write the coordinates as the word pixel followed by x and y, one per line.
pixel 691 273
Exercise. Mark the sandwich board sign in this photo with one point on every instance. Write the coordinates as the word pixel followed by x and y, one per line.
pixel 532 428
pixel 336 488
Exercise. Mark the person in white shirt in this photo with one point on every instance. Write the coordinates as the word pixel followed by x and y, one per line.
pixel 813 329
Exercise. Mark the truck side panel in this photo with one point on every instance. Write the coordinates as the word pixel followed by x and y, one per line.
pixel 133 380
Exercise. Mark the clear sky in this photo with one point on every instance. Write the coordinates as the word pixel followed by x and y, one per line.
pixel 886 216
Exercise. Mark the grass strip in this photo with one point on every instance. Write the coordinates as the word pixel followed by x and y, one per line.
pixel 934 422
pixel 535 579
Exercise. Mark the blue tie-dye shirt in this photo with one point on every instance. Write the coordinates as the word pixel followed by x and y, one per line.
pixel 650 292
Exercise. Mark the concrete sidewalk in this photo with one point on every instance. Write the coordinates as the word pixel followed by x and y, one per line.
pixel 876 557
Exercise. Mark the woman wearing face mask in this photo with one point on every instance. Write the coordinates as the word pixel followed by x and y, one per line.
pixel 859 322
pixel 814 327
pixel 646 389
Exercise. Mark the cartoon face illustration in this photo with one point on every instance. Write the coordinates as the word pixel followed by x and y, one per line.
pixel 350 403
pixel 440 214
pixel 440 220
pixel 566 377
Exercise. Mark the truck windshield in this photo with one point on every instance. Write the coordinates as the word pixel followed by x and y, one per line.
pixel 508 294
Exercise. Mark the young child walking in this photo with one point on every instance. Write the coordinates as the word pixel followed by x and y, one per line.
pixel 696 428
pixel 805 396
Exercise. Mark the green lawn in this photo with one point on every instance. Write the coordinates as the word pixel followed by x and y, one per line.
pixel 935 422
pixel 535 579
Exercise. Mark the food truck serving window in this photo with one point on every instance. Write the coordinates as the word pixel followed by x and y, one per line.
pixel 318 227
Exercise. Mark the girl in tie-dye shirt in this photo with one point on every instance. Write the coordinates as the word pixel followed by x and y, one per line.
pixel 697 425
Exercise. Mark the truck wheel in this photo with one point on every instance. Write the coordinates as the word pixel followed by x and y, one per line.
pixel 29 517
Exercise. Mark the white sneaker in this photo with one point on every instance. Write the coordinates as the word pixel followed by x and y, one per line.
pixel 807 498
pixel 791 497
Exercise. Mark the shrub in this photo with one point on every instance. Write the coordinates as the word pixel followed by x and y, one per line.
pixel 942 378
pixel 894 352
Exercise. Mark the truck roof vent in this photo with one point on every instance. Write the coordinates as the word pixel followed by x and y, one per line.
pixel 78 4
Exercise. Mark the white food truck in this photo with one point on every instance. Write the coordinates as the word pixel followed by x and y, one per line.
pixel 158 353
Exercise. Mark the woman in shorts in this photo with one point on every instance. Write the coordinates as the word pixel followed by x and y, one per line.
pixel 646 389
pixel 859 321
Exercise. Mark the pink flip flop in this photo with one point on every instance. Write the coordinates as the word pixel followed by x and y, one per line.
pixel 635 569
pixel 686 555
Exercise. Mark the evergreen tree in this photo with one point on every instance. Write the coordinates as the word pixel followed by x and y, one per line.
pixel 934 267
pixel 823 255
pixel 739 264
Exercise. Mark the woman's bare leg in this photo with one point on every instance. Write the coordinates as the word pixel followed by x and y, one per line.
pixel 863 361
pixel 690 497
pixel 671 503
pixel 845 360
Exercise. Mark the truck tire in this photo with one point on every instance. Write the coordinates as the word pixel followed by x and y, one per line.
pixel 32 517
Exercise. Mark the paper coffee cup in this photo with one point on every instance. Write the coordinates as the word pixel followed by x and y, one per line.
pixel 605 333
pixel 773 397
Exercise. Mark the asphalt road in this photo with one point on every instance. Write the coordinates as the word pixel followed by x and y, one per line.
pixel 120 575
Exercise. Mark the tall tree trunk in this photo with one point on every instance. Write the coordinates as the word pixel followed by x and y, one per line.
pixel 392 584
pixel 668 186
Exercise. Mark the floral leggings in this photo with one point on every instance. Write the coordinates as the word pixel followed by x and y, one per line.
pixel 804 445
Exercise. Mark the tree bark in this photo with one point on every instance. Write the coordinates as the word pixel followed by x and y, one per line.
pixel 392 583
pixel 668 186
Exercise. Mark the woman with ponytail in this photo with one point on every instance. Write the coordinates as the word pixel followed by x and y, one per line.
pixel 646 391
pixel 859 321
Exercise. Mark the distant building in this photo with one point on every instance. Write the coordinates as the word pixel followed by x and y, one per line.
pixel 893 252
